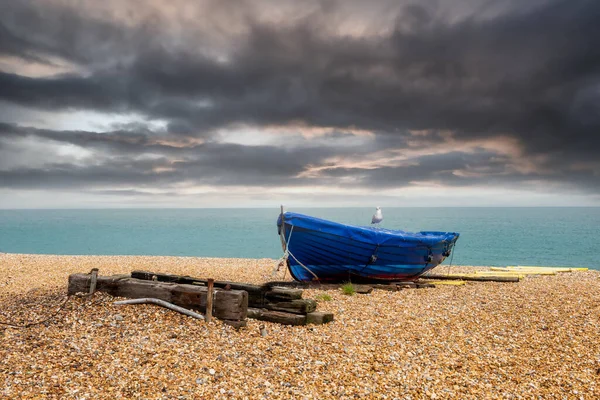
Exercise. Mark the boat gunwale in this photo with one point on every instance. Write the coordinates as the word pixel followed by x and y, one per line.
pixel 411 243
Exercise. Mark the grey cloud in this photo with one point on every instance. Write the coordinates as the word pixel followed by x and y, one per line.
pixel 525 72
pixel 438 168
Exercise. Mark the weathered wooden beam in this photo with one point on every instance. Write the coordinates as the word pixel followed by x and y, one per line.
pixel 389 288
pixel 358 288
pixel 146 275
pixel 283 294
pixel 284 318
pixel 319 318
pixel 228 304
pixel 258 295
pixel 255 292
pixel 301 306
pixel 276 316
pixel 482 278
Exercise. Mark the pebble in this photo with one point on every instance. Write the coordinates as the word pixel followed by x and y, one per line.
pixel 532 339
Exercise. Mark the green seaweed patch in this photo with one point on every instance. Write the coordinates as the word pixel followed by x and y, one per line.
pixel 324 297
pixel 348 289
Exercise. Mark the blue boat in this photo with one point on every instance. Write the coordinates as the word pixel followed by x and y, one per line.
pixel 317 249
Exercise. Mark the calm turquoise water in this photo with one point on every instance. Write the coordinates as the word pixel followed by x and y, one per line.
pixel 489 236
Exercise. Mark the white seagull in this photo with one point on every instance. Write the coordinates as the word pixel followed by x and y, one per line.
pixel 377 217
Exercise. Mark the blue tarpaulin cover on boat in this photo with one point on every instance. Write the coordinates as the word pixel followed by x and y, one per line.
pixel 330 251
pixel 368 234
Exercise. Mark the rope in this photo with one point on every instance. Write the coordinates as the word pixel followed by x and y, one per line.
pixel 304 266
pixel 451 259
pixel 284 257
pixel 372 259
pixel 288 253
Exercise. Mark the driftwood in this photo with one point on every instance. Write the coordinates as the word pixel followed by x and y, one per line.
pixel 289 318
pixel 319 318
pixel 276 316
pixel 162 303
pixel 482 278
pixel 256 293
pixel 228 304
pixel 301 306
pixel 268 302
pixel 389 288
pixel 259 296
pixel 283 294
pixel 358 288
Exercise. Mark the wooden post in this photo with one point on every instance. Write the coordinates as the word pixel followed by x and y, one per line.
pixel 94 280
pixel 282 231
pixel 209 299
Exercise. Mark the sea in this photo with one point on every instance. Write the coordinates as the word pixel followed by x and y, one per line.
pixel 561 236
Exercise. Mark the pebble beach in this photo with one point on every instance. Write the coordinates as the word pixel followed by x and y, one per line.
pixel 539 338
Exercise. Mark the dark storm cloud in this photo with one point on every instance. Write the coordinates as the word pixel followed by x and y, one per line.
pixel 530 73
pixel 120 161
pixel 71 176
pixel 40 30
pixel 128 142
pixel 481 167
pixel 135 193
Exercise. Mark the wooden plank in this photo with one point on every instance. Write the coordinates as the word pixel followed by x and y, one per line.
pixel 499 273
pixel 319 318
pixel 389 288
pixel 276 316
pixel 481 278
pixel 361 289
pixel 283 294
pixel 447 282
pixel 301 306
pixel 228 304
pixel 525 271
pixel 290 284
pixel 146 275
pixel 256 293
pixel 559 269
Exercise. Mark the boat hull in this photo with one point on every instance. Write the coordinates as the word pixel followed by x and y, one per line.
pixel 330 252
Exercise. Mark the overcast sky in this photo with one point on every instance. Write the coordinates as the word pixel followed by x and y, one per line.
pixel 143 103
